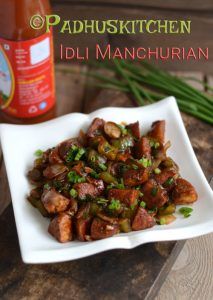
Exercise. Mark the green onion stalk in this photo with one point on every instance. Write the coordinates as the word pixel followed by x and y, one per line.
pixel 148 84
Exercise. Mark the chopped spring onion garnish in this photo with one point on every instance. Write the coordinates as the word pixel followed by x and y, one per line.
pixel 80 153
pixel 186 211
pixel 38 153
pixel 153 210
pixel 154 191
pixel 58 185
pixel 102 167
pixel 93 158
pixel 46 186
pixel 142 204
pixel 123 129
pixel 132 206
pixel 74 153
pixel 145 162
pixel 73 193
pixel 102 201
pixel 169 181
pixel 162 221
pixel 157 171
pixel 135 167
pixel 114 204
pixel 94 175
pixel 73 177
pixel 154 144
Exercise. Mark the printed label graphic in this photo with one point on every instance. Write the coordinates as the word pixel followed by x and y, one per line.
pixel 27 76
pixel 6 80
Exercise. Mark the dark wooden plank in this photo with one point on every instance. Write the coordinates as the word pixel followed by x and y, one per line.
pixel 69 89
pixel 97 98
pixel 110 275
pixel 162 4
pixel 166 267
pixel 75 12
pixel 4 188
pixel 201 32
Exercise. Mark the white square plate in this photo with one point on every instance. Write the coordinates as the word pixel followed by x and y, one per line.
pixel 19 143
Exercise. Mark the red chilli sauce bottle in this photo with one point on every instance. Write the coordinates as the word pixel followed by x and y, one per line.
pixel 27 91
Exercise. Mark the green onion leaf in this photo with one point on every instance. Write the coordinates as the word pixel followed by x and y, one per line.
pixel 47 186
pixel 74 153
pixel 114 204
pixel 186 211
pixel 157 171
pixel 57 185
pixel 73 177
pixel 102 167
pixel 132 206
pixel 153 210
pixel 154 191
pixel 154 144
pixel 162 221
pixel 38 153
pixel 169 181
pixel 143 204
pixel 93 158
pixel 102 200
pixel 145 162
pixel 146 83
pixel 80 153
pixel 135 167
pixel 94 175
pixel 123 129
pixel 71 154
pixel 73 193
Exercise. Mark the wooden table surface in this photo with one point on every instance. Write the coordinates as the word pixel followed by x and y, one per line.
pixel 136 274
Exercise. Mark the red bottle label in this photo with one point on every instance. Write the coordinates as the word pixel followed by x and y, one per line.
pixel 27 76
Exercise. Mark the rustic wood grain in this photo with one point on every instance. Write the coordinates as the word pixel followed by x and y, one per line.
pixel 191 275
pixel 70 88
pixel 161 4
pixel 96 98
pixel 110 275
pixel 4 187
pixel 200 36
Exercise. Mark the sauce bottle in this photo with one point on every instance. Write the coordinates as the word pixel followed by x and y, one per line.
pixel 27 90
